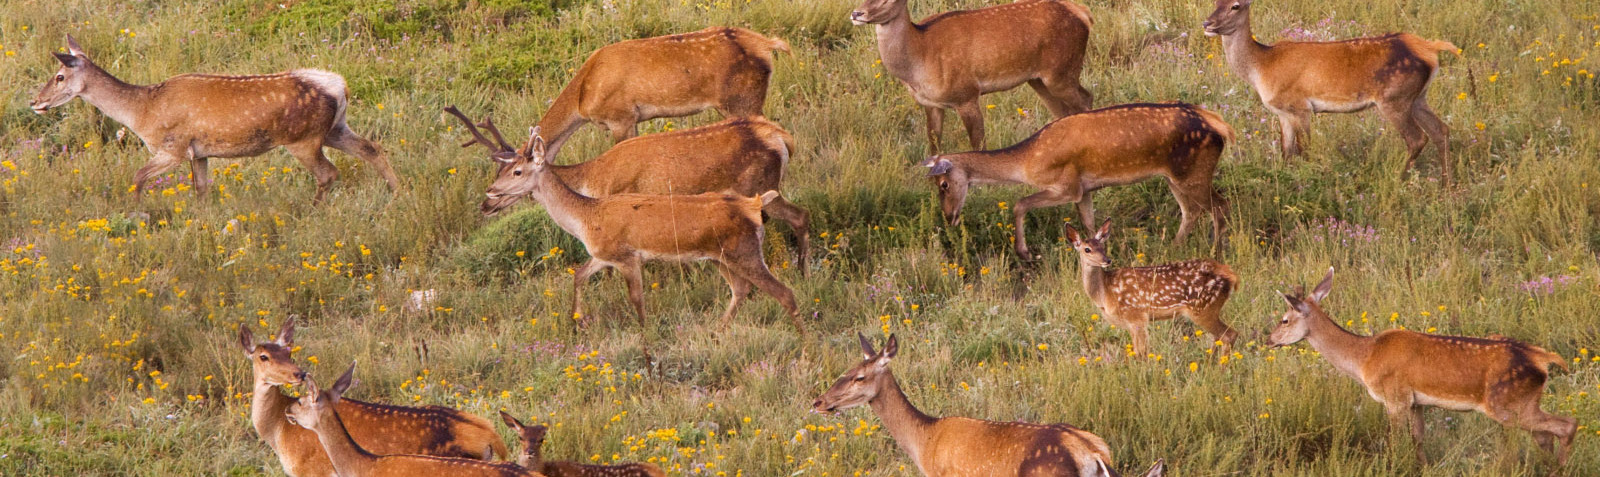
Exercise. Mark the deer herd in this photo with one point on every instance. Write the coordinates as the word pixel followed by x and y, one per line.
pixel 703 194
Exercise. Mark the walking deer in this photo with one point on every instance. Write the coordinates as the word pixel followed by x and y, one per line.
pixel 1296 79
pixel 317 411
pixel 625 230
pixel 1406 370
pixel 1131 297
pixel 193 117
pixel 960 446
pixel 532 457
pixel 953 58
pixel 741 156
pixel 667 76
pixel 384 429
pixel 1074 156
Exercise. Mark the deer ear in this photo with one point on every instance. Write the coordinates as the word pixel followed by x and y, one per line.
pixel 313 392
pixel 286 333
pixel 506 157
pixel 1105 231
pixel 247 339
pixel 73 48
pixel 69 61
pixel 892 347
pixel 1295 303
pixel 511 422
pixel 343 383
pixel 1322 289
pixel 1072 235
pixel 866 346
pixel 938 166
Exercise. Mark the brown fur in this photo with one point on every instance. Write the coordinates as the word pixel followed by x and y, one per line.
pixel 382 429
pixel 668 76
pixel 1132 297
pixel 953 58
pixel 1297 79
pixel 190 118
pixel 532 457
pixel 1406 370
pixel 1074 156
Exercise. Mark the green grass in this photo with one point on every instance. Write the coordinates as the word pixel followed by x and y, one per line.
pixel 98 293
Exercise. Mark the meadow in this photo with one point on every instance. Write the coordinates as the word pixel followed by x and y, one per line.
pixel 118 318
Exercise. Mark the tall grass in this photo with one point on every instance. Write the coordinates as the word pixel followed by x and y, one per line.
pixel 116 317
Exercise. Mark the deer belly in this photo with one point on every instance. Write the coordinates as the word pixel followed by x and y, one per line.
pixel 1454 404
pixel 1339 106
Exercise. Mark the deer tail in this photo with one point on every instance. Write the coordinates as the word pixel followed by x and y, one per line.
pixel 1217 123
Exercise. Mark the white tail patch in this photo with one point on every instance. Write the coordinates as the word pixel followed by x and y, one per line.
pixel 329 83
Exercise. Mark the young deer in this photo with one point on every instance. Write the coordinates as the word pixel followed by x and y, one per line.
pixel 952 58
pixel 959 446
pixel 1296 79
pixel 190 118
pixel 532 457
pixel 317 412
pixel 667 76
pixel 1406 370
pixel 384 429
pixel 741 156
pixel 625 230
pixel 1074 156
pixel 1132 297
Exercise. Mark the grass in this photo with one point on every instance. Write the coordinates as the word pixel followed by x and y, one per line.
pixel 117 318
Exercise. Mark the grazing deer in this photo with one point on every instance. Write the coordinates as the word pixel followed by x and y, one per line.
pixel 384 429
pixel 952 58
pixel 960 446
pixel 1296 79
pixel 741 156
pixel 667 76
pixel 318 411
pixel 193 117
pixel 625 230
pixel 1074 156
pixel 1406 370
pixel 532 457
pixel 1132 297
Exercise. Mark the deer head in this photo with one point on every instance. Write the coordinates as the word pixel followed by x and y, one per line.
pixel 860 385
pixel 1091 250
pixel 532 438
pixel 951 183
pixel 520 170
pixel 271 362
pixel 69 81
pixel 1296 323
pixel 1229 17
pixel 877 12
pixel 317 404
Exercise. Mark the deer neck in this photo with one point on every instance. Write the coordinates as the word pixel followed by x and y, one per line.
pixel 267 405
pixel 905 422
pixel 1345 350
pixel 991 167
pixel 567 207
pixel 1242 51
pixel 122 102
pixel 532 459
pixel 1094 282
pixel 900 44
pixel 348 458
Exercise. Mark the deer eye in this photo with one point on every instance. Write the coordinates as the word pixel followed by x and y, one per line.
pixel 263 357
pixel 861 377
pixel 517 172
pixel 61 78
pixel 1235 7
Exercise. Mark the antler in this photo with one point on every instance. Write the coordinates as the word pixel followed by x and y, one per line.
pixel 497 148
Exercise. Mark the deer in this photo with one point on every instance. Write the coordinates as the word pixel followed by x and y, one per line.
pixel 740 156
pixel 960 446
pixel 952 58
pixel 385 429
pixel 532 457
pixel 1074 156
pixel 623 231
pixel 627 82
pixel 1297 79
pixel 1407 371
pixel 194 117
pixel 1131 297
pixel 318 411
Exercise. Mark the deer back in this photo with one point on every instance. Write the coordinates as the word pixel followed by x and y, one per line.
pixel 1345 72
pixel 742 156
pixel 686 72
pixel 1463 371
pixel 571 469
pixel 1125 143
pixel 960 445
pixel 231 116
pixel 432 430
pixel 429 466
pixel 1003 45
pixel 1194 283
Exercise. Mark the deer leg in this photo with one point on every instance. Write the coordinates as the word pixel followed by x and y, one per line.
pixel 1436 130
pixel 1401 116
pixel 1054 103
pixel 343 139
pixel 1189 208
pixel 1417 428
pixel 1546 428
pixel 1210 319
pixel 579 277
pixel 754 270
pixel 160 163
pixel 200 175
pixel 1293 123
pixel 736 284
pixel 800 221
pixel 1140 335
pixel 1219 218
pixel 1086 210
pixel 972 117
pixel 935 124
pixel 633 273
pixel 622 129
pixel 1071 95
pixel 310 154
pixel 1045 198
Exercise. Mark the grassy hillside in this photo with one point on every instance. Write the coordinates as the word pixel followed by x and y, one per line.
pixel 117 318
